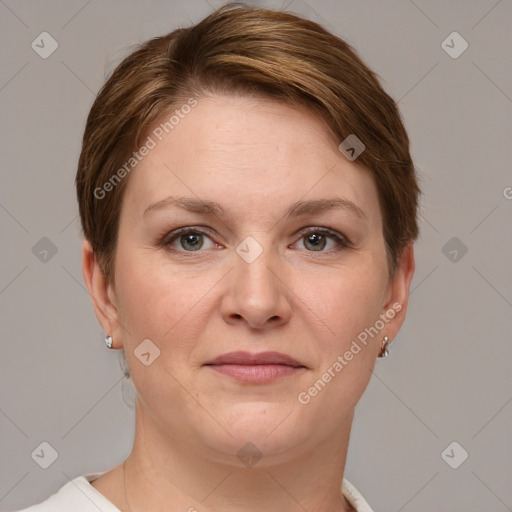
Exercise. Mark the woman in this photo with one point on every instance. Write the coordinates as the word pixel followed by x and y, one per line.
pixel 249 206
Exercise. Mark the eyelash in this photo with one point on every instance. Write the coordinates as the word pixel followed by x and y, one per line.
pixel 166 241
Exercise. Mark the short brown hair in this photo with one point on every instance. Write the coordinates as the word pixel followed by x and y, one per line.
pixel 249 51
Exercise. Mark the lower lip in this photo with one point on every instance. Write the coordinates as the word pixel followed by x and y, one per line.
pixel 256 373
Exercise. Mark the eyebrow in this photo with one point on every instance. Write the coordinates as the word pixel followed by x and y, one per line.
pixel 295 210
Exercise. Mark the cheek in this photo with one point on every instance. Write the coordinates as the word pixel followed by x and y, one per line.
pixel 347 336
pixel 346 302
pixel 145 299
pixel 160 303
pixel 353 310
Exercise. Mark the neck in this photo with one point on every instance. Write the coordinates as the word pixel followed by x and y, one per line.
pixel 193 478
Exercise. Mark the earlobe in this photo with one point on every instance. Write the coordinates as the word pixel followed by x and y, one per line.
pixel 99 289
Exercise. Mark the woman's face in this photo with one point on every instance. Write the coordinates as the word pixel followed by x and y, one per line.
pixel 281 250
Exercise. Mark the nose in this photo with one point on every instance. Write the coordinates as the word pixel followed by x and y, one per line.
pixel 256 293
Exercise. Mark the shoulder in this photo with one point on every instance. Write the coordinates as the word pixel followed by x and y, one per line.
pixel 77 495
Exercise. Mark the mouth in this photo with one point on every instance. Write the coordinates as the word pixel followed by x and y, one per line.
pixel 256 368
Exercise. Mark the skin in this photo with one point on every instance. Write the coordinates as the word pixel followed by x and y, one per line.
pixel 255 158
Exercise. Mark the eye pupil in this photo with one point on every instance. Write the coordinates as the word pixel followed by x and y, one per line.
pixel 194 241
pixel 316 241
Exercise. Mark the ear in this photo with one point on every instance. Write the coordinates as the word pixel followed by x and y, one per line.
pixel 398 291
pixel 100 290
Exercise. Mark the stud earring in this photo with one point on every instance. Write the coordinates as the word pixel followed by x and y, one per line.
pixel 108 341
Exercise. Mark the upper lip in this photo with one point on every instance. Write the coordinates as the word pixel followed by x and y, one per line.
pixel 248 358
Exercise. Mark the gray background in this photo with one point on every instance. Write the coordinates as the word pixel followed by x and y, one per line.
pixel 448 377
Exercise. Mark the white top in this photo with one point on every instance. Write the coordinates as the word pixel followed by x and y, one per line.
pixel 78 495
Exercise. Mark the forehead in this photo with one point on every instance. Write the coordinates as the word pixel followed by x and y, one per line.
pixel 252 151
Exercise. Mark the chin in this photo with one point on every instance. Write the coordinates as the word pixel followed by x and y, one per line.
pixel 257 429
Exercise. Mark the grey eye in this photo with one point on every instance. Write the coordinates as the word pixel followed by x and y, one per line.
pixel 315 241
pixel 191 241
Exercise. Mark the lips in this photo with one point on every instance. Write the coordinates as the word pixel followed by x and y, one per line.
pixel 262 368
pixel 263 358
